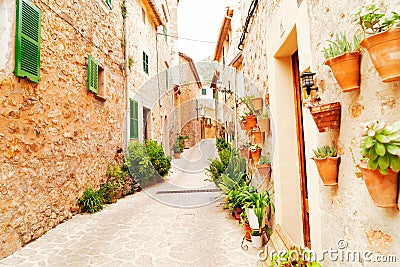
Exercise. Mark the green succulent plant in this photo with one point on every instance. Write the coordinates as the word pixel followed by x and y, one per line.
pixel 325 151
pixel 341 45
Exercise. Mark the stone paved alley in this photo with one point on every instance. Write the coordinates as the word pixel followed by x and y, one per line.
pixel 141 231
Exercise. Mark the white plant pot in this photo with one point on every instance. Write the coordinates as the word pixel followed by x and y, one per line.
pixel 256 241
pixel 253 220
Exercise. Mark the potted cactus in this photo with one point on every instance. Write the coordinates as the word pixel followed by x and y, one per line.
pixel 327 161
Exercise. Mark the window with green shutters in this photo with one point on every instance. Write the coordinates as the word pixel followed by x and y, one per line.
pixel 93 75
pixel 145 63
pixel 204 91
pixel 109 3
pixel 27 40
pixel 134 123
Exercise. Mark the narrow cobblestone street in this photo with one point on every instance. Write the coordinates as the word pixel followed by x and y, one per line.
pixel 139 230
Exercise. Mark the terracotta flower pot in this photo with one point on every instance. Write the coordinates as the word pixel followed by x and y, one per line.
pixel 328 169
pixel 264 170
pixel 384 49
pixel 242 125
pixel 327 116
pixel 346 69
pixel 382 188
pixel 177 155
pixel 255 155
pixel 236 213
pixel 251 121
pixel 263 124
pixel 247 230
pixel 258 139
pixel 244 152
pixel 257 103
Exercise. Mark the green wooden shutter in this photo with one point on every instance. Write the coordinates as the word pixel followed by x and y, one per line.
pixel 145 63
pixel 93 75
pixel 27 41
pixel 134 122
pixel 204 91
pixel 166 79
pixel 109 3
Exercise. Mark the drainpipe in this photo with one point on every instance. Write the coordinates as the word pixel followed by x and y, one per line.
pixel 126 74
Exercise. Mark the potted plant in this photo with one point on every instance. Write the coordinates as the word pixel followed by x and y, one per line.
pixel 177 150
pixel 327 161
pixel 380 149
pixel 255 152
pixel 343 57
pixel 255 205
pixel 256 239
pixel 242 121
pixel 244 150
pixel 246 225
pixel 257 136
pixel 257 103
pixel 250 117
pixel 264 166
pixel 382 40
pixel 263 122
pixel 326 116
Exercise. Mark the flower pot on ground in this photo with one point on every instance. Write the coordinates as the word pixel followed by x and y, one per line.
pixel 263 122
pixel 383 188
pixel 253 220
pixel 246 226
pixel 326 116
pixel 264 166
pixel 251 121
pixel 255 151
pixel 177 150
pixel 327 161
pixel 257 137
pixel 256 204
pixel 236 212
pixel 380 148
pixel 384 43
pixel 343 57
pixel 256 239
pixel 257 103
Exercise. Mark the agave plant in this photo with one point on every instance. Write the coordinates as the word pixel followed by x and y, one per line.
pixel 325 151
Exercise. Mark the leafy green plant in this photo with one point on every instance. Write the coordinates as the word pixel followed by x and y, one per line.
pixel 159 160
pixel 221 144
pixel 380 146
pixel 372 21
pixel 180 142
pixel 107 192
pixel 264 160
pixel 139 163
pixel 91 201
pixel 131 61
pixel 341 45
pixel 124 10
pixel 325 151
pixel 247 101
pixel 255 233
pixel 295 257
pixel 264 115
pixel 258 201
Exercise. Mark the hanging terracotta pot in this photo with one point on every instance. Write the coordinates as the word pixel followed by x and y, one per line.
pixel 327 116
pixel 264 170
pixel 346 69
pixel 242 125
pixel 257 103
pixel 244 152
pixel 255 155
pixel 384 49
pixel 251 121
pixel 263 124
pixel 328 169
pixel 257 137
pixel 382 188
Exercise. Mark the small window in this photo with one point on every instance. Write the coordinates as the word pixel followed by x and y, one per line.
pixel 145 63
pixel 96 78
pixel 204 91
pixel 27 40
pixel 143 16
pixel 109 3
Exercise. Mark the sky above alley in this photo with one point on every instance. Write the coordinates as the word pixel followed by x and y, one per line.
pixel 200 20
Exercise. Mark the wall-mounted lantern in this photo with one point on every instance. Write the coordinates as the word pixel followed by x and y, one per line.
pixel 307 81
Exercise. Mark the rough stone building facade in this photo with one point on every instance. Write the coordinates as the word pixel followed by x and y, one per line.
pixel 61 127
pixel 282 34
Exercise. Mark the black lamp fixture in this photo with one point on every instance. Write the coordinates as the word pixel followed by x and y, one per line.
pixel 307 81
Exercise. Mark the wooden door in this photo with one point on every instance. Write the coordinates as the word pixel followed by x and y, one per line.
pixel 300 145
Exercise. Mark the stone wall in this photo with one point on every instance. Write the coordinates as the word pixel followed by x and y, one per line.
pixel 343 212
pixel 57 138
